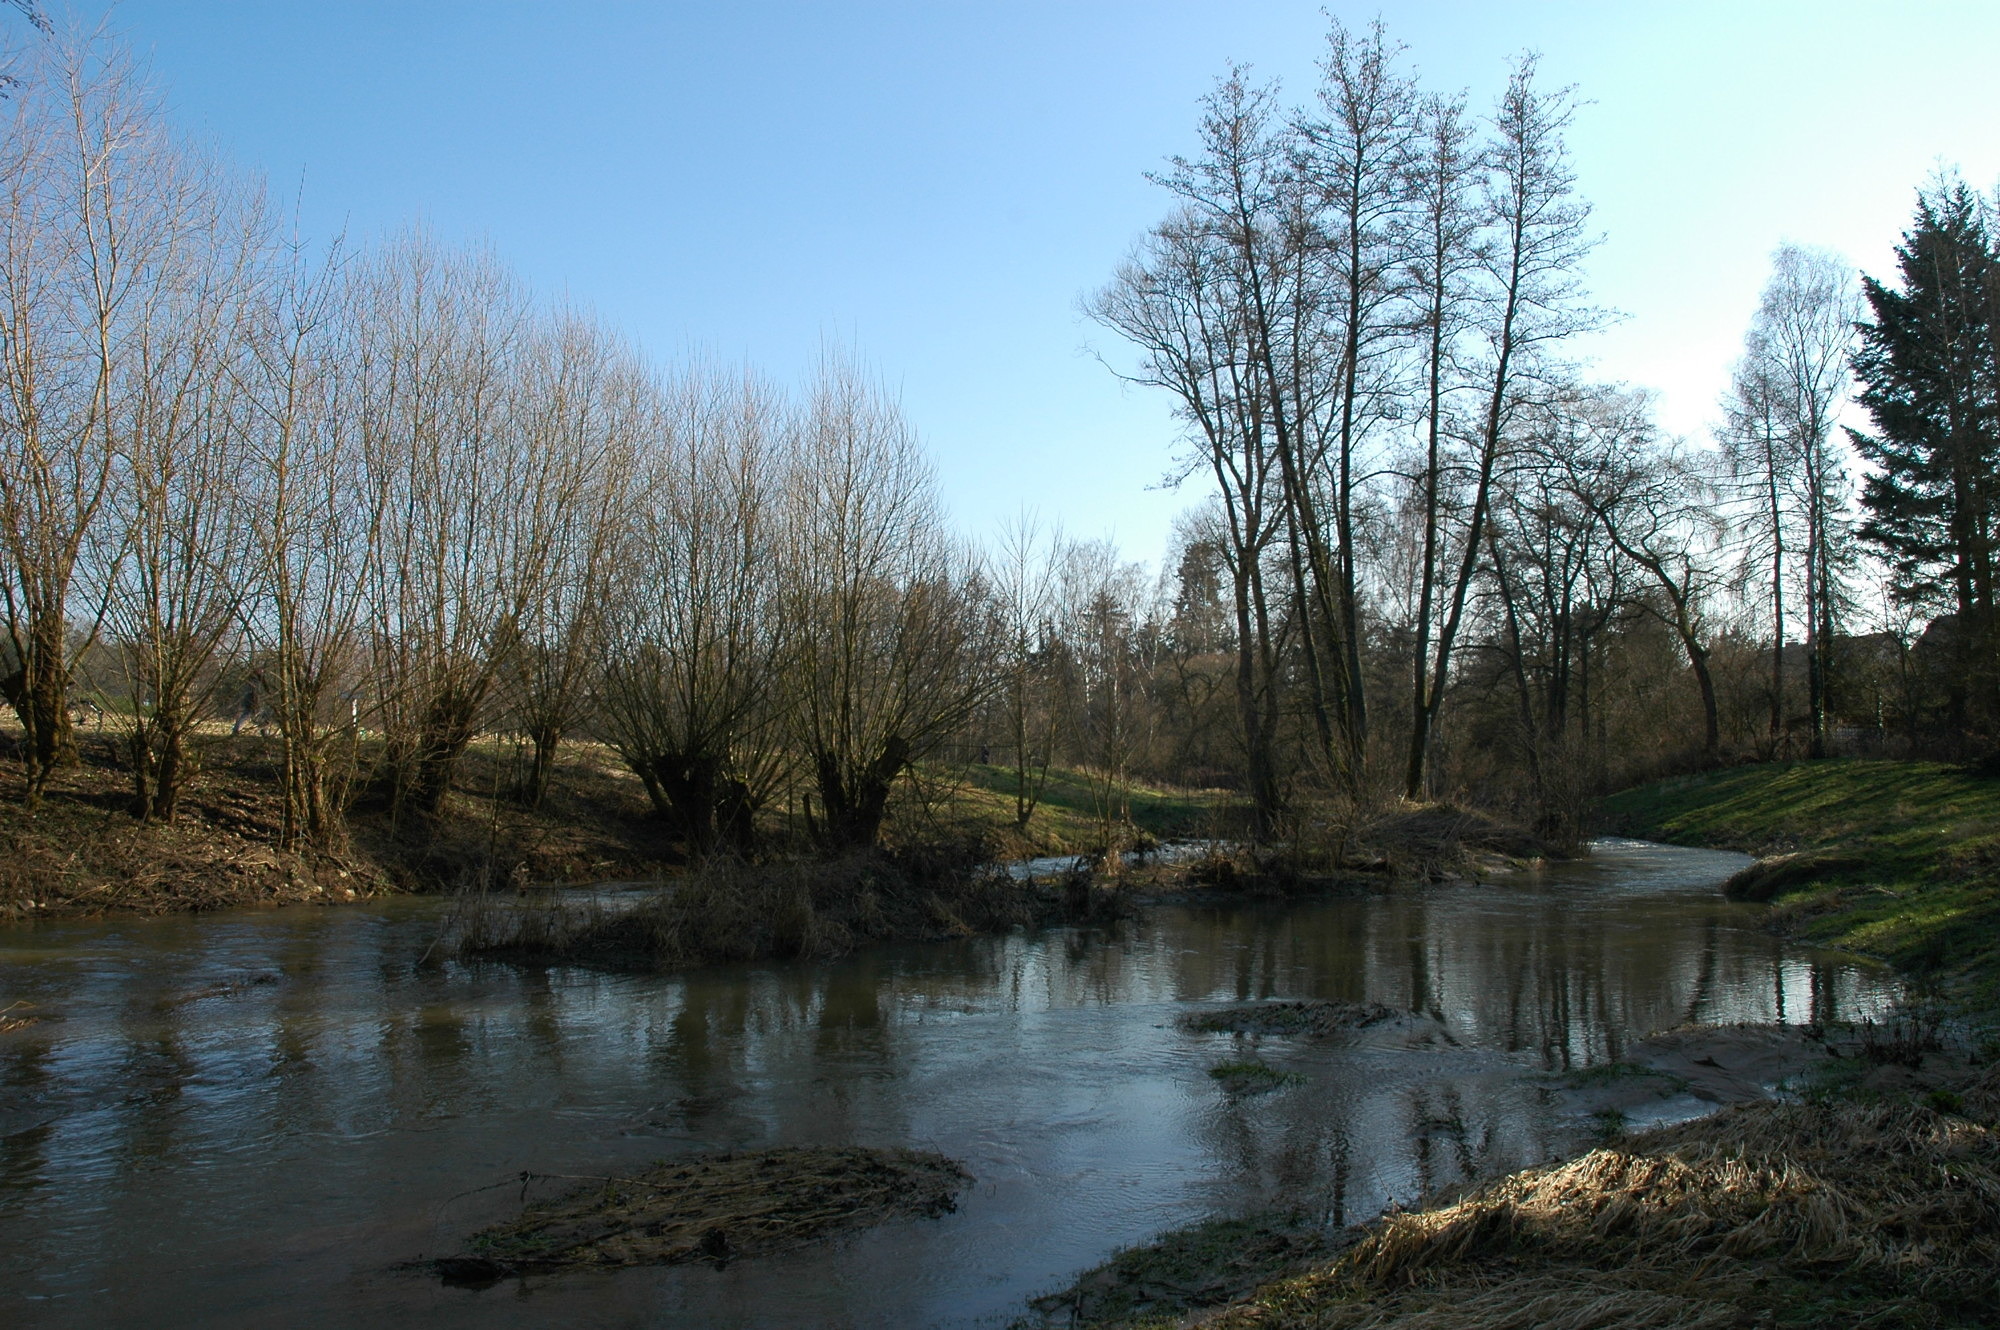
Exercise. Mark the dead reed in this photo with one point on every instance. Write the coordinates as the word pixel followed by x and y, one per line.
pixel 727 910
pixel 1878 1210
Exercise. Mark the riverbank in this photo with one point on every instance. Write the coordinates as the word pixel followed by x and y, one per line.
pixel 1835 1209
pixel 1897 860
pixel 80 852
pixel 1871 1196
pixel 1053 1063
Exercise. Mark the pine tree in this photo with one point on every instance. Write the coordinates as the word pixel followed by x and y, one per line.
pixel 1931 365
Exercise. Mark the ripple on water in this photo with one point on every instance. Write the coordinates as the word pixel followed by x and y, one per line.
pixel 185 1140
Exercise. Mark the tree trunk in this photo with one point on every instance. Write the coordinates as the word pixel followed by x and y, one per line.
pixel 855 807
pixel 547 738
pixel 39 694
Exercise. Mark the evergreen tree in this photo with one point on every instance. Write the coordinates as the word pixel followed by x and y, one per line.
pixel 1932 386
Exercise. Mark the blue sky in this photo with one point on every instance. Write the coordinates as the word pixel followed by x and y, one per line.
pixel 937 184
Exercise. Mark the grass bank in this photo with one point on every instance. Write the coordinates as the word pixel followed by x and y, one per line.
pixel 979 798
pixel 1899 860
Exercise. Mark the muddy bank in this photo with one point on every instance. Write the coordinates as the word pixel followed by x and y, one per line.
pixel 714 1209
pixel 1402 844
pixel 80 852
pixel 1181 1274
pixel 790 909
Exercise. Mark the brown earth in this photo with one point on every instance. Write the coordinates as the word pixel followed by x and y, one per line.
pixel 712 1208
pixel 1366 1022
pixel 80 851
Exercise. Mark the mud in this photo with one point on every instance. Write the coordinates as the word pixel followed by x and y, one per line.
pixel 716 1208
pixel 1368 1023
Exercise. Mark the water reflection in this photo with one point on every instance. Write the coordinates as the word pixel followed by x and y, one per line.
pixel 253 1117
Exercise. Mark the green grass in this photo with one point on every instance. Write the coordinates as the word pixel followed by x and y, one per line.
pixel 1157 1283
pixel 1252 1077
pixel 1065 819
pixel 1925 893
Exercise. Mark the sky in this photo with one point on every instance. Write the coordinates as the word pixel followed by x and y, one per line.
pixel 938 185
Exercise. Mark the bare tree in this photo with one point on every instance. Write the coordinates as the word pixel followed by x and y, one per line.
pixel 1178 301
pixel 1791 387
pixel 1657 505
pixel 1757 450
pixel 1443 265
pixel 585 402
pixel 1244 192
pixel 181 418
pixel 1355 158
pixel 77 226
pixel 891 657
pixel 1102 616
pixel 696 643
pixel 1531 296
pixel 316 531
pixel 1023 575
pixel 1558 583
pixel 466 506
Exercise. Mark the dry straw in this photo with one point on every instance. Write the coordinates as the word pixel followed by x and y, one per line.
pixel 1891 1209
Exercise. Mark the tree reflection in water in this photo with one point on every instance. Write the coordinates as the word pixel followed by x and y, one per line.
pixel 261 1114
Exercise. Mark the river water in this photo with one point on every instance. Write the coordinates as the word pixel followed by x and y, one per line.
pixel 255 1118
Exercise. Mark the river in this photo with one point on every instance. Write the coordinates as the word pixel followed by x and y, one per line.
pixel 257 1117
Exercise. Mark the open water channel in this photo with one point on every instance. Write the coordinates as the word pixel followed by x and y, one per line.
pixel 255 1118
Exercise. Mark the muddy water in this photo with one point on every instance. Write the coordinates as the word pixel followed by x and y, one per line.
pixel 252 1119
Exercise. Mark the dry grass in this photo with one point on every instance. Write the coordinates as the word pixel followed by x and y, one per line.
pixel 1305 1018
pixel 717 1208
pixel 1758 1215
pixel 1329 845
pixel 80 851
